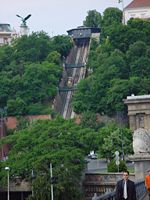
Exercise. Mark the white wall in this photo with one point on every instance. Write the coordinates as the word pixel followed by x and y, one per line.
pixel 143 13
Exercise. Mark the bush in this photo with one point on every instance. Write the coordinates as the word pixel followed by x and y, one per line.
pixel 112 167
pixel 38 109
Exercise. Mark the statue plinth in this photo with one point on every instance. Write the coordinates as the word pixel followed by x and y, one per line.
pixel 139 118
pixel 141 165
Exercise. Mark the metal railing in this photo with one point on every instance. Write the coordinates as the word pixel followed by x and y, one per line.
pixel 140 193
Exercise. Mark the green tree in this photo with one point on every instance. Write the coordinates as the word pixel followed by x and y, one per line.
pixel 141 67
pixel 111 16
pixel 142 26
pixel 16 106
pixel 5 83
pixel 32 48
pixel 62 44
pixel 40 81
pixel 136 50
pixel 4 58
pixel 57 141
pixel 34 83
pixel 118 67
pixel 93 19
pixel 115 139
pixel 32 71
pixel 54 57
pixel 91 120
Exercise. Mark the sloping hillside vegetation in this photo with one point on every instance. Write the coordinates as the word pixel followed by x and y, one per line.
pixel 30 70
pixel 119 65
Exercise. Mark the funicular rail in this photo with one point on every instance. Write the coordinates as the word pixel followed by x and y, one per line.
pixel 73 73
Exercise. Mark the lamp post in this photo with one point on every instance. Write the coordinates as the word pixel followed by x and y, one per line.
pixel 33 176
pixel 7 169
pixel 51 176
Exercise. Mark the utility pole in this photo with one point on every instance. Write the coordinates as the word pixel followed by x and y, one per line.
pixel 51 176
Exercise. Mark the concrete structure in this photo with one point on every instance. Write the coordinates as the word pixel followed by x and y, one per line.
pixel 139 121
pixel 137 9
pixel 6 34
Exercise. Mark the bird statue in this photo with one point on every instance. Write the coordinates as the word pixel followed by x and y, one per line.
pixel 24 19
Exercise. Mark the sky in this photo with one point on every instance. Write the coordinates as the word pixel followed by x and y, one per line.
pixel 54 17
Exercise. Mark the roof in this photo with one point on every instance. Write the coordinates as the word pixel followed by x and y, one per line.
pixel 93 29
pixel 5 27
pixel 138 4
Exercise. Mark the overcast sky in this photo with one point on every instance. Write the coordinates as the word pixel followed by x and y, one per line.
pixel 54 17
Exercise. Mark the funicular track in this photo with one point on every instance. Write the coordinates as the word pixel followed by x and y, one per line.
pixel 74 70
pixel 71 76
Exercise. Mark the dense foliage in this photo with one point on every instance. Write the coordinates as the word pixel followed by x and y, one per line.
pixel 30 70
pixel 60 142
pixel 64 144
pixel 118 66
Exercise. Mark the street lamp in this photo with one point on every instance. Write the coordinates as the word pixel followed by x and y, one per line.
pixel 7 169
pixel 51 176
pixel 33 176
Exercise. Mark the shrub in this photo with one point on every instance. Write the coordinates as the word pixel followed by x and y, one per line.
pixel 112 167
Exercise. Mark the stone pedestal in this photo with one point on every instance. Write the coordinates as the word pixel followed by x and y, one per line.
pixel 141 165
pixel 139 120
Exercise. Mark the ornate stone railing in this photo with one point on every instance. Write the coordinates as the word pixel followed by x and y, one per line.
pixel 140 193
pixel 100 183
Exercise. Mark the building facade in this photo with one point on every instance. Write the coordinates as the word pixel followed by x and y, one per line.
pixel 137 9
pixel 6 34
